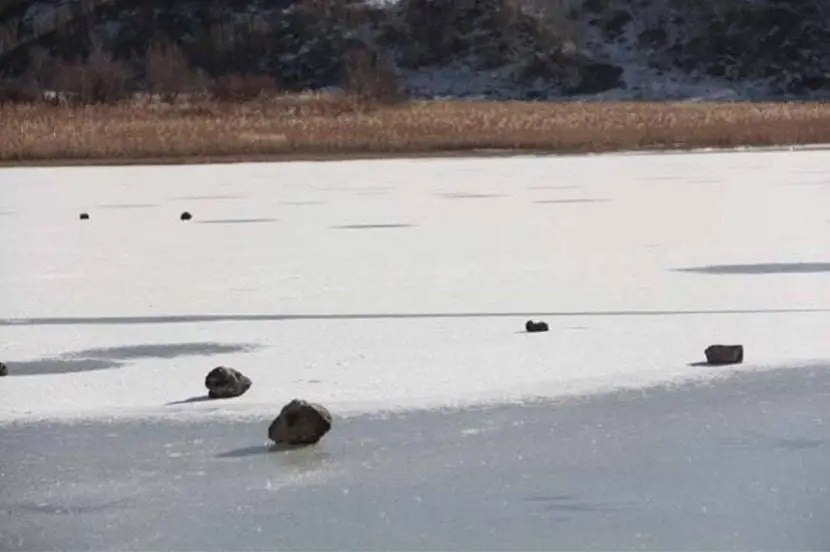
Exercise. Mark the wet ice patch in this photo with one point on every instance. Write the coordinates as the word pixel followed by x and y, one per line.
pixel 60 366
pixel 165 350
pixel 114 357
pixel 760 268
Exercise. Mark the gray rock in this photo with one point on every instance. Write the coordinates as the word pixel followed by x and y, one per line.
pixel 225 383
pixel 4 370
pixel 724 354
pixel 532 326
pixel 300 423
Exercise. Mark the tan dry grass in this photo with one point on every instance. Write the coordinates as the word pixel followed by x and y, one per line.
pixel 324 126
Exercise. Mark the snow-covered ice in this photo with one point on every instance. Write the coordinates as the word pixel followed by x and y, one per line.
pixel 402 285
pixel 386 284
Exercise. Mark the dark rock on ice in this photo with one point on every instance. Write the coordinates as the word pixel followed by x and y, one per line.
pixel 532 326
pixel 225 383
pixel 724 354
pixel 300 423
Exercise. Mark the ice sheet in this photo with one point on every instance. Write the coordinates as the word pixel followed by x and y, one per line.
pixel 375 285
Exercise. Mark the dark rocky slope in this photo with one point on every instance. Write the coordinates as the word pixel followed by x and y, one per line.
pixel 489 48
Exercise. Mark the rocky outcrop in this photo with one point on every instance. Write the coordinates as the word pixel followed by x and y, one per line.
pixel 297 43
pixel 724 354
pixel 225 383
pixel 578 48
pixel 783 45
pixel 487 35
pixel 300 423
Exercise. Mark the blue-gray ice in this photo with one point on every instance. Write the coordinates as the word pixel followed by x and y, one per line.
pixel 738 463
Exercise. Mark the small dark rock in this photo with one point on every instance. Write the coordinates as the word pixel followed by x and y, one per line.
pixel 300 423
pixel 532 326
pixel 226 383
pixel 84 216
pixel 186 216
pixel 724 354
pixel 4 370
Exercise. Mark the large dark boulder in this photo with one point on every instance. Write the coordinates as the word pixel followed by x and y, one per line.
pixel 724 354
pixel 225 383
pixel 300 423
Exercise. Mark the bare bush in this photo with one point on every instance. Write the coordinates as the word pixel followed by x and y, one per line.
pixel 168 72
pixel 40 70
pixel 370 77
pixel 484 33
pixel 17 92
pixel 99 79
pixel 236 87
pixel 8 37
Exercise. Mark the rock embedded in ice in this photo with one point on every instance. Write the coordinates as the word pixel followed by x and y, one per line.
pixel 225 383
pixel 4 370
pixel 724 354
pixel 84 216
pixel 532 326
pixel 186 216
pixel 300 423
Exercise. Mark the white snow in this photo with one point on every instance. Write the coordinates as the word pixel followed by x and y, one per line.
pixel 366 319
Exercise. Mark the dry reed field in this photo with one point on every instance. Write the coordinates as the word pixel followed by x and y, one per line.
pixel 321 126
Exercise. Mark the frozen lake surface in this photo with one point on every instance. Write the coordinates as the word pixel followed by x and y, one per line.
pixel 736 465
pixel 395 292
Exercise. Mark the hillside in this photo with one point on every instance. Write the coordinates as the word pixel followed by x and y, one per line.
pixel 640 49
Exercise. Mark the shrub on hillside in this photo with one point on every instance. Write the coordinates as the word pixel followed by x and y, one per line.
pixel 168 73
pixel 432 32
pixel 100 78
pixel 370 77
pixel 236 87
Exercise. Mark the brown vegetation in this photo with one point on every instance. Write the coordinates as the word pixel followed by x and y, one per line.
pixel 330 125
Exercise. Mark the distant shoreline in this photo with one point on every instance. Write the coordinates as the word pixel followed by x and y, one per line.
pixel 321 158
pixel 329 128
